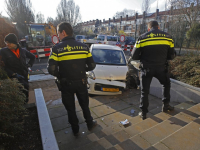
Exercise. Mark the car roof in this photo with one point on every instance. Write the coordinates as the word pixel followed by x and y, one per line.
pixel 104 46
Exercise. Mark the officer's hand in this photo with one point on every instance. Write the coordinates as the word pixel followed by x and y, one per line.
pixel 18 76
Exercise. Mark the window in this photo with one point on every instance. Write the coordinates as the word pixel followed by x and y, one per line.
pixel 108 57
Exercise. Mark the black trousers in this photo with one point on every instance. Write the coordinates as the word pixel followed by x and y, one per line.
pixel 69 88
pixel 146 77
pixel 24 82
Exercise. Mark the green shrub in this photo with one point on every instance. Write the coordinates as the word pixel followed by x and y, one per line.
pixel 186 69
pixel 11 107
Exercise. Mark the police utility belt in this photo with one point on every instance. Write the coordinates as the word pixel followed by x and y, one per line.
pixel 68 82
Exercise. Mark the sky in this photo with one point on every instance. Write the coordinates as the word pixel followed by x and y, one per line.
pixel 91 9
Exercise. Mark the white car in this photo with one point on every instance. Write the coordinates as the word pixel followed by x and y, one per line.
pixel 109 76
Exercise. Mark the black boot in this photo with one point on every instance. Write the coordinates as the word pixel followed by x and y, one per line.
pixel 167 107
pixel 91 126
pixel 143 115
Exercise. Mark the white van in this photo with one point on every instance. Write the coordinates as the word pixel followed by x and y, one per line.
pixel 107 39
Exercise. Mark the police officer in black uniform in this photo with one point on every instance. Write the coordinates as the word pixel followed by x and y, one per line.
pixel 154 49
pixel 69 62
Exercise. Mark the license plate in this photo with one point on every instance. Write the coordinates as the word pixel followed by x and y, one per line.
pixel 110 89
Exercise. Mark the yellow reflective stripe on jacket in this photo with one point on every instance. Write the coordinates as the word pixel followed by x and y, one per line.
pixel 72 52
pixel 89 55
pixel 156 38
pixel 53 57
pixel 71 57
pixel 157 42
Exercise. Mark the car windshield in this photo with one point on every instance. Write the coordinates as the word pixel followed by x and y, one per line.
pixel 108 57
pixel 130 38
pixel 101 38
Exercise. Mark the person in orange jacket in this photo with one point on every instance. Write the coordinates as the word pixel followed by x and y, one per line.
pixel 13 58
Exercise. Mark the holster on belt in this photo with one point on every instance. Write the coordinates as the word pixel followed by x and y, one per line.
pixel 58 84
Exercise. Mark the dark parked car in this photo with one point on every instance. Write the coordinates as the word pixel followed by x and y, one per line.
pixel 129 40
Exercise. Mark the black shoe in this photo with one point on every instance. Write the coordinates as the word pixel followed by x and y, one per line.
pixel 142 115
pixel 167 107
pixel 90 127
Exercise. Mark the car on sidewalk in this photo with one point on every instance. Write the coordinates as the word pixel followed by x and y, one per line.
pixel 109 76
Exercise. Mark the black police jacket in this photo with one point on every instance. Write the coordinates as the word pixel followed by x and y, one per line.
pixel 154 48
pixel 70 59
pixel 14 64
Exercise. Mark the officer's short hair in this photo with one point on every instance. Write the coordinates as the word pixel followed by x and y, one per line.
pixel 66 27
pixel 152 24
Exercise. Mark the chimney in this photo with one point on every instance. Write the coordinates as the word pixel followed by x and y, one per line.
pixel 100 22
pixel 126 17
pixel 136 16
pixel 113 19
pixel 109 21
pixel 121 18
pixel 103 20
pixel 157 13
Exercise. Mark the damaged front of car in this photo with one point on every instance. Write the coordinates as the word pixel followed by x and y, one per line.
pixel 109 76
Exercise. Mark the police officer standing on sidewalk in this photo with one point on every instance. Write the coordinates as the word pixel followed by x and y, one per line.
pixel 14 61
pixel 69 62
pixel 154 49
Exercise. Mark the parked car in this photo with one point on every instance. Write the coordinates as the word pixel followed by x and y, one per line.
pixel 109 76
pixel 79 37
pixel 107 39
pixel 129 40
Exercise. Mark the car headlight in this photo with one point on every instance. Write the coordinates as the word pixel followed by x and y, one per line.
pixel 91 75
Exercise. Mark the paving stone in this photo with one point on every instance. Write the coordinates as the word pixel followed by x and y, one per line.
pixel 184 105
pixel 128 145
pixel 187 138
pixel 154 104
pixel 112 148
pixel 155 111
pixel 141 126
pixel 104 143
pixel 116 117
pixel 163 116
pixel 102 110
pixel 112 129
pixel 177 121
pixel 117 147
pixel 127 111
pixel 76 143
pixel 92 137
pixel 135 100
pixel 62 121
pixel 161 130
pixel 93 102
pixel 118 105
pixel 91 146
pixel 161 146
pixel 140 142
pixel 112 139
pixel 121 135
pixel 185 117
pixel 57 111
pixel 195 109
